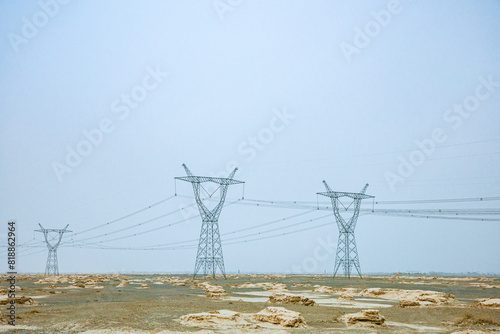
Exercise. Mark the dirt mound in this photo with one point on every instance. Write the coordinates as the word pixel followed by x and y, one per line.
pixel 484 286
pixel 487 303
pixel 172 280
pixel 410 297
pixel 346 298
pixel 470 331
pixel 470 320
pixel 213 291
pixel 122 284
pixel 221 318
pixel 323 289
pixel 334 291
pixel 56 279
pixel 22 300
pixel 229 319
pixel 366 318
pixel 280 316
pixel 179 283
pixel 265 286
pixel 408 303
pixel 282 298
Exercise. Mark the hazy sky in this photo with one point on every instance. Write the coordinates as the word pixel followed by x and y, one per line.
pixel 102 102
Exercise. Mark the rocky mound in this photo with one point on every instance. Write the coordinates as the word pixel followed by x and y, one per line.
pixel 410 297
pixel 221 318
pixel 213 291
pixel 323 289
pixel 346 298
pixel 271 316
pixel 470 331
pixel 366 318
pixel 281 316
pixel 122 284
pixel 22 300
pixel 265 286
pixel 487 303
pixel 282 298
pixel 333 291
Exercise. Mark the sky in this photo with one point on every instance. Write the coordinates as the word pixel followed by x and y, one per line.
pixel 102 102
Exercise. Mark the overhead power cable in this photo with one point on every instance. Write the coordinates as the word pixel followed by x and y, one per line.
pixel 133 226
pixel 124 217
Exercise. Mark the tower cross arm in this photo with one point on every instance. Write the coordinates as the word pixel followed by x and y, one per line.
pixel 337 194
pixel 202 179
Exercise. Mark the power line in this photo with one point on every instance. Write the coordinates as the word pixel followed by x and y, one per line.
pixel 223 234
pixel 449 200
pixel 388 163
pixel 143 232
pixel 379 153
pixel 124 217
pixel 193 246
pixel 135 225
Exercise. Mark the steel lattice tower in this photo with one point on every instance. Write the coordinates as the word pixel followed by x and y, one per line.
pixel 347 252
pixel 209 255
pixel 52 266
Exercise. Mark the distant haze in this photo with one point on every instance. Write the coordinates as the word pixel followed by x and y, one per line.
pixel 102 102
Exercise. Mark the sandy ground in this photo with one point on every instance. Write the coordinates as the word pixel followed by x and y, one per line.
pixel 106 304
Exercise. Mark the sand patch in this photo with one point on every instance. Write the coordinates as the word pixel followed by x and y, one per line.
pixel 418 328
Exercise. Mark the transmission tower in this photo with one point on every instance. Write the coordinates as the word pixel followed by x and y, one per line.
pixel 209 256
pixel 347 252
pixel 52 268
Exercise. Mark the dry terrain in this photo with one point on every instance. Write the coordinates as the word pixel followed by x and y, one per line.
pixel 123 303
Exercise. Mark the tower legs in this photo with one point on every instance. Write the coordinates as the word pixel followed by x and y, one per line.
pixel 209 255
pixel 52 267
pixel 347 254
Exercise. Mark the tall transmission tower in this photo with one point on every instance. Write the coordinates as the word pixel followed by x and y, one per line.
pixel 347 252
pixel 209 256
pixel 52 267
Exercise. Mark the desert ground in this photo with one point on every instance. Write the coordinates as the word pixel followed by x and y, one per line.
pixel 162 303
